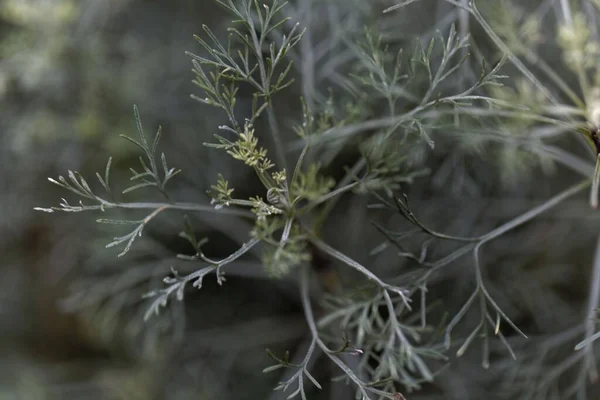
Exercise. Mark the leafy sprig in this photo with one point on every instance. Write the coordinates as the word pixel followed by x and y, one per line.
pixel 150 175
pixel 176 284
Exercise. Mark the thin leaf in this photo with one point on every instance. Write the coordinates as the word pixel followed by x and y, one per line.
pixel 140 129
pixel 156 140
pixel 138 186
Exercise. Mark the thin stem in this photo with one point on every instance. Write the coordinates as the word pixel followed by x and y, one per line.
pixel 534 59
pixel 511 56
pixel 568 159
pixel 360 164
pixel 590 323
pixel 463 18
pixel 333 194
pixel 308 61
pixel 595 185
pixel 321 245
pixel 529 215
pixel 299 163
pixel 521 219
pixel 566 10
pixel 177 206
pixel 386 122
pixel 310 320
pixel 258 45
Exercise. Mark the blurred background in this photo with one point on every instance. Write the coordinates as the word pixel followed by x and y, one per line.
pixel 71 311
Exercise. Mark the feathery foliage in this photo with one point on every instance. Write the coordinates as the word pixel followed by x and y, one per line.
pixel 409 113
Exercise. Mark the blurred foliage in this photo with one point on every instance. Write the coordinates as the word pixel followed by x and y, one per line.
pixel 72 313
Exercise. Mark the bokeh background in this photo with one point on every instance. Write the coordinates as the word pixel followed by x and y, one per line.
pixel 71 323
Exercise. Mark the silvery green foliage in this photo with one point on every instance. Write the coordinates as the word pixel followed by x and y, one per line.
pixel 400 133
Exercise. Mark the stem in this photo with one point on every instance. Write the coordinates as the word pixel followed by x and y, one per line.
pixel 310 320
pixel 595 185
pixel 308 62
pixel 386 122
pixel 321 245
pixel 562 85
pixel 360 164
pixel 529 215
pixel 590 323
pixel 521 219
pixel 514 59
pixel 333 194
pixel 568 159
pixel 176 206
pixel 258 44
pixel 566 9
